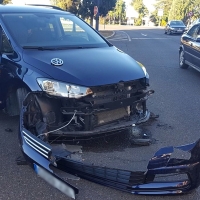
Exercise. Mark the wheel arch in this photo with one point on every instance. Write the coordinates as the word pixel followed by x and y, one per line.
pixel 10 97
pixel 181 48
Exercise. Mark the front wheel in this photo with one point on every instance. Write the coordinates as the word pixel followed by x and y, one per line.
pixel 168 32
pixel 182 60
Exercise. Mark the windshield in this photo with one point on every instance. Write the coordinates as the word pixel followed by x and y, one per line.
pixel 177 23
pixel 51 30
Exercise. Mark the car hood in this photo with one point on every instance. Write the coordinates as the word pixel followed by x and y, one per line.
pixel 87 67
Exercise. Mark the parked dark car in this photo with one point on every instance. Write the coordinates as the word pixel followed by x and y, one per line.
pixel 189 52
pixel 175 27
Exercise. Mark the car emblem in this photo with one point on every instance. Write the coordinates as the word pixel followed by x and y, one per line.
pixel 56 61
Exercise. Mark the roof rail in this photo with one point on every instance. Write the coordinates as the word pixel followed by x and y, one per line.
pixel 43 5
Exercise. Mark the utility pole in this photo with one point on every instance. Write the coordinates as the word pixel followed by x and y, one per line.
pixel 96 17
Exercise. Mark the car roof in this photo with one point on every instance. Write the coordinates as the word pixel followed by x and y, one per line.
pixel 30 9
pixel 175 21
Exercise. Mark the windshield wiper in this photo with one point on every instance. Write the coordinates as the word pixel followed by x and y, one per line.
pixel 75 47
pixel 57 48
pixel 39 48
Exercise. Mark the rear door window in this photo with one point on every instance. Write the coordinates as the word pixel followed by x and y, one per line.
pixel 193 32
pixel 6 46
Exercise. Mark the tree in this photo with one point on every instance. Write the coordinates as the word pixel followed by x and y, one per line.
pixel 106 6
pixel 142 10
pixel 6 1
pixel 87 8
pixel 165 5
pixel 177 10
pixel 69 5
pixel 119 10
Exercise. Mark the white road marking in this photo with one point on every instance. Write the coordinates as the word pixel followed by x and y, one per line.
pixel 118 39
pixel 129 38
pixel 149 38
pixel 120 36
pixel 143 34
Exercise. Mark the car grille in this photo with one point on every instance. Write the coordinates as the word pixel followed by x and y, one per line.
pixel 113 93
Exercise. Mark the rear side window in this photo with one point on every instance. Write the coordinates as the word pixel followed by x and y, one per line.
pixel 193 31
pixel 6 47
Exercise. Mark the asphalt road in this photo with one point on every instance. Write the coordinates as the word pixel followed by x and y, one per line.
pixel 176 100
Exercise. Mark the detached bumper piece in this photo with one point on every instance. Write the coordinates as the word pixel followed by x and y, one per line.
pixel 42 156
pixel 45 121
pixel 142 183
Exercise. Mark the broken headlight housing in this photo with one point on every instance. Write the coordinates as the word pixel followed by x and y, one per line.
pixel 143 68
pixel 57 88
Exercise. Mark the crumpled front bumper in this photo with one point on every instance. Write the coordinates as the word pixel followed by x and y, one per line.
pixel 42 155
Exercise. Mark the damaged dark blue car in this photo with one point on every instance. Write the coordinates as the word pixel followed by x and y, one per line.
pixel 74 84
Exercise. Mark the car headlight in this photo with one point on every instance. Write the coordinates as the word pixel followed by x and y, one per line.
pixel 57 88
pixel 172 28
pixel 143 68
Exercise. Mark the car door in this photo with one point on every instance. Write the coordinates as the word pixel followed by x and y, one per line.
pixel 5 74
pixel 196 49
pixel 188 42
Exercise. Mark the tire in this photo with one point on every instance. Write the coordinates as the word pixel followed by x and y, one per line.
pixel 168 32
pixel 182 60
pixel 21 94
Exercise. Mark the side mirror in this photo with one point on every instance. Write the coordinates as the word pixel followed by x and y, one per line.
pixel 185 31
pixel 198 39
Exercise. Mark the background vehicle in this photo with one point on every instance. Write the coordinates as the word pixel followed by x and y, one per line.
pixel 175 27
pixel 189 52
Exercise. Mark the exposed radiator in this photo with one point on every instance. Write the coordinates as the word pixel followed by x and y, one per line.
pixel 112 115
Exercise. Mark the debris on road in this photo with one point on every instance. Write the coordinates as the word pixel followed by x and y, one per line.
pixel 8 130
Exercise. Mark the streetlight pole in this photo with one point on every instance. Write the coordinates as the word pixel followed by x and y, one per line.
pixel 97 3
